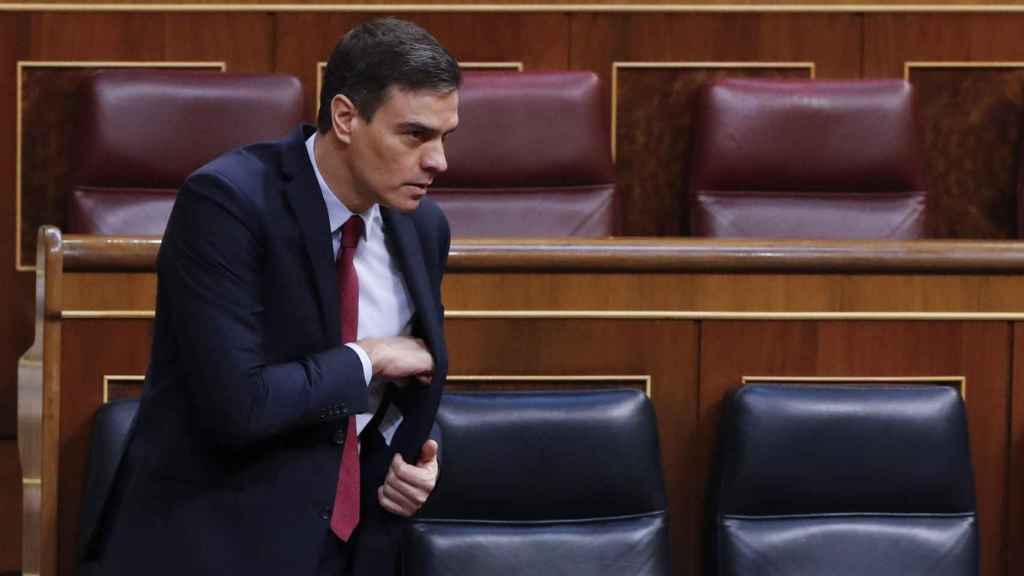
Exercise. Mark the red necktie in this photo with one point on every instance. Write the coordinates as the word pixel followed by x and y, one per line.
pixel 345 515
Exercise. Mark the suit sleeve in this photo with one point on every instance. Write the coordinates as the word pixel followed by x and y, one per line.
pixel 210 265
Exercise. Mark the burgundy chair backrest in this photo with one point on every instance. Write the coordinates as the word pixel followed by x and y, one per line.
pixel 806 159
pixel 531 157
pixel 140 133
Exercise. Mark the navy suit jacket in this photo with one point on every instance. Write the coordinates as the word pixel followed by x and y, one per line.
pixel 233 460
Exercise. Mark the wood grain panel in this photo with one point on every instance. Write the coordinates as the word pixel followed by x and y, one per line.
pixel 10 507
pixel 244 41
pixel 663 350
pixel 90 350
pixel 1015 510
pixel 892 39
pixel 979 351
pixel 86 292
pixel 16 323
pixel 539 41
pixel 654 113
pixel 972 116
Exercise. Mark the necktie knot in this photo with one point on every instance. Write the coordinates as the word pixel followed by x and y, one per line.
pixel 352 231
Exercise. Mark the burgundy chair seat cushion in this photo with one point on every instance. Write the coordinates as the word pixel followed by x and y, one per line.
pixel 585 211
pixel 841 215
pixel 120 211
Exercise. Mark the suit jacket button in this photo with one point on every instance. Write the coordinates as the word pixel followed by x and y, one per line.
pixel 325 514
pixel 339 436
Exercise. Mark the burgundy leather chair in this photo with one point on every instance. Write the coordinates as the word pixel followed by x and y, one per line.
pixel 806 159
pixel 531 157
pixel 140 133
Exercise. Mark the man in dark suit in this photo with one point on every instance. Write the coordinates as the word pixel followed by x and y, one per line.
pixel 277 365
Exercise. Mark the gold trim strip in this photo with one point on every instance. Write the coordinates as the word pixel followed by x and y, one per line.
pixel 725 315
pixel 32 481
pixel 106 314
pixel 322 65
pixel 488 8
pixel 516 66
pixel 645 378
pixel 108 377
pixel 937 64
pixel 636 315
pixel 18 128
pixel 616 65
pixel 959 381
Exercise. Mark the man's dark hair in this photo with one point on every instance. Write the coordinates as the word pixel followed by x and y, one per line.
pixel 378 55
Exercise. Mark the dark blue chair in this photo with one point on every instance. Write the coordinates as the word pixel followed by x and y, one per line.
pixel 844 481
pixel 109 438
pixel 546 483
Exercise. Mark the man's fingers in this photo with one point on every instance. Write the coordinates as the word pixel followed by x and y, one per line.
pixel 422 477
pixel 390 505
pixel 415 495
pixel 398 496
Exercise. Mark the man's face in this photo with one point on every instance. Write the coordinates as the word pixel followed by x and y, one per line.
pixel 396 156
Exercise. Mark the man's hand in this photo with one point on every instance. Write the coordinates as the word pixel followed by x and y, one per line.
pixel 407 486
pixel 399 357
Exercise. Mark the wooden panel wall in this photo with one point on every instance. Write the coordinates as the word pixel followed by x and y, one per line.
pixel 971 115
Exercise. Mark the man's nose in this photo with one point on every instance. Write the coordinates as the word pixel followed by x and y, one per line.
pixel 434 160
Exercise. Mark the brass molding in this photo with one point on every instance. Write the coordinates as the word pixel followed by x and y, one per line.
pixel 106 314
pixel 616 65
pixel 726 315
pixel 633 315
pixel 645 378
pixel 321 66
pixel 958 382
pixel 640 378
pixel 124 377
pixel 980 65
pixel 492 8
pixel 510 66
pixel 22 65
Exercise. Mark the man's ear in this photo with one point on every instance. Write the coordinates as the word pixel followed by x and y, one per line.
pixel 343 115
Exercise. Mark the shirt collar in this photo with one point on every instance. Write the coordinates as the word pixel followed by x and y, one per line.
pixel 337 213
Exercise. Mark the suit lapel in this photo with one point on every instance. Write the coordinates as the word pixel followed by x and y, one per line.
pixel 406 243
pixel 303 194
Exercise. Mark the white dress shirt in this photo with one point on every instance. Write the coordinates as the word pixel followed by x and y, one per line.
pixel 385 308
